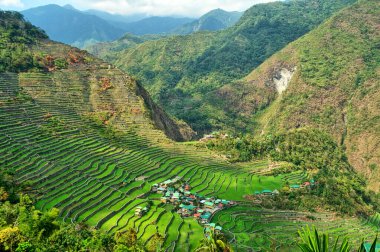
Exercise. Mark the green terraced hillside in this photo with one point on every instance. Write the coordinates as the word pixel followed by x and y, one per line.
pixel 94 178
pixel 86 138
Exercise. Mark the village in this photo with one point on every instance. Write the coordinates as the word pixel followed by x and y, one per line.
pixel 193 205
pixel 188 204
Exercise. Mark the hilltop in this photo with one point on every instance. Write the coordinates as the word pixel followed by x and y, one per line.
pixel 214 20
pixel 183 72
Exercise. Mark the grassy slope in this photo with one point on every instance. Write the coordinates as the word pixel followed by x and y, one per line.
pixel 182 73
pixel 335 86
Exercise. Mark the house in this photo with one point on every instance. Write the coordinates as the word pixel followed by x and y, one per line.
pixel 155 188
pixel 205 216
pixel 209 204
pixel 187 209
pixel 294 187
pixel 140 211
pixel 218 229
pixel 161 190
pixel 211 226
pixel 306 185
pixel 164 200
pixel 175 197
pixel 166 183
pixel 266 192
pixel 187 187
pixel 225 202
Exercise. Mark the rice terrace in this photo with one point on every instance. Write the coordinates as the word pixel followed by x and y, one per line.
pixel 171 133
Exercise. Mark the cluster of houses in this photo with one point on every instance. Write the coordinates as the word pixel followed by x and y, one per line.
pixel 212 136
pixel 189 204
pixel 306 185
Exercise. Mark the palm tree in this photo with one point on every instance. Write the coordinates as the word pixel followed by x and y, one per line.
pixel 311 241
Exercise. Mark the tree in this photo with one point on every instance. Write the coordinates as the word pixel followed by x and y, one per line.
pixel 9 238
pixel 155 243
pixel 127 239
pixel 213 243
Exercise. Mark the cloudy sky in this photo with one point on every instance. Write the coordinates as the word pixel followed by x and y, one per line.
pixel 191 8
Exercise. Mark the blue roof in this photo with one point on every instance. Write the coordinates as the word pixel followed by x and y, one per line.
pixel 189 207
pixel 206 215
pixel 266 191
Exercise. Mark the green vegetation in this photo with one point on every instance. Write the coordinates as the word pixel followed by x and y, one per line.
pixel 17 36
pixel 265 230
pixel 183 72
pixel 340 188
pixel 214 20
pixel 99 178
pixel 312 241
pixel 335 85
pixel 84 143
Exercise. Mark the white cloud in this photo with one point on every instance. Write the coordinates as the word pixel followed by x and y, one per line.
pixel 171 7
pixel 11 3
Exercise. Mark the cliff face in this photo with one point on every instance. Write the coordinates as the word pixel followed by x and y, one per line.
pixel 178 131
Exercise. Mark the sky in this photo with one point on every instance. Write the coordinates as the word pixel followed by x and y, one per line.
pixel 189 8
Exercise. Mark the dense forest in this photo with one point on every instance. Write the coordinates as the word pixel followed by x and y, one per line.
pixel 16 37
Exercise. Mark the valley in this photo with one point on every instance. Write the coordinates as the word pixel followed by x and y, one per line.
pixel 238 135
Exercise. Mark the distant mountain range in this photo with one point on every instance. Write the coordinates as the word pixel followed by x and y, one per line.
pixel 70 26
pixel 83 28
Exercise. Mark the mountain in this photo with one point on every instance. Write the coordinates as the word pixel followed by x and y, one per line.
pixel 83 156
pixel 70 26
pixel 115 19
pixel 182 73
pixel 109 50
pixel 75 65
pixel 328 79
pixel 155 25
pixel 212 21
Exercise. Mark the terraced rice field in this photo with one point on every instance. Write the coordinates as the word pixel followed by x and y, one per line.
pixel 249 226
pixel 96 179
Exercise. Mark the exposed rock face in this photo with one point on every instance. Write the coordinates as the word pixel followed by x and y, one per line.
pixel 282 79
